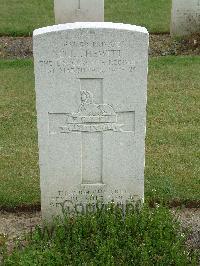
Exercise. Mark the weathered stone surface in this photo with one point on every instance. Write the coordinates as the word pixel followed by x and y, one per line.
pixel 78 10
pixel 91 90
pixel 185 17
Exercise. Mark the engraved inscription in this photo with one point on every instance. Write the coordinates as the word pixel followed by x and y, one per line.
pixel 78 57
pixel 68 199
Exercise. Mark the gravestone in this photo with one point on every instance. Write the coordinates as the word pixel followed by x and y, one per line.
pixel 78 10
pixel 91 92
pixel 185 18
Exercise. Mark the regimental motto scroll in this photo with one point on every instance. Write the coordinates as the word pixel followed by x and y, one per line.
pixel 91 117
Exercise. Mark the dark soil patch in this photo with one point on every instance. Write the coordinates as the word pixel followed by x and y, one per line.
pixel 160 45
pixel 190 222
pixel 21 208
pixel 16 47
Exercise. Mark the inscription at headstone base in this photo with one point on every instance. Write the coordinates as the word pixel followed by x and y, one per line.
pixel 91 93
pixel 185 18
pixel 78 10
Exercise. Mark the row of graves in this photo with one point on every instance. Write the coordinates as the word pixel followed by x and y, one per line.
pixel 185 14
pixel 91 96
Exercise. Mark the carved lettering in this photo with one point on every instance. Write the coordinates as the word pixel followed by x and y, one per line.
pixel 75 57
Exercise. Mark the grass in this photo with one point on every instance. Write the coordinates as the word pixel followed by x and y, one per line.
pixel 21 17
pixel 142 237
pixel 172 146
pixel 18 135
pixel 173 155
pixel 153 14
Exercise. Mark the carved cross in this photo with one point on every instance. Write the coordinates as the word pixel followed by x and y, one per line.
pixel 93 119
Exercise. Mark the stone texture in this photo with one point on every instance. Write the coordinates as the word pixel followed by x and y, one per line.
pixel 91 90
pixel 78 10
pixel 185 17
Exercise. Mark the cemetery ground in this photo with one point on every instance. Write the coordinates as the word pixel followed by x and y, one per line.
pixel 172 161
pixel 172 146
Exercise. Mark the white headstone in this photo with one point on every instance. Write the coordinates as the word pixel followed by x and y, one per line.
pixel 78 10
pixel 185 17
pixel 91 90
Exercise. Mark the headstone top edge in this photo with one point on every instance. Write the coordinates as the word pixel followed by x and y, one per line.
pixel 90 25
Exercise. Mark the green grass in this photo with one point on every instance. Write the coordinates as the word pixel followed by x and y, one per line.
pixel 172 146
pixel 153 14
pixel 21 17
pixel 18 135
pixel 145 237
pixel 173 140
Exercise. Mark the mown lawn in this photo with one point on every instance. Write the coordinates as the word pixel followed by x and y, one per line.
pixel 21 17
pixel 19 175
pixel 173 139
pixel 172 146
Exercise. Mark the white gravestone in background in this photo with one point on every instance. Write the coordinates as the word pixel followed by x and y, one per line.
pixel 185 17
pixel 91 90
pixel 78 10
